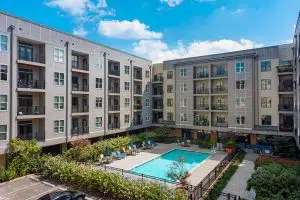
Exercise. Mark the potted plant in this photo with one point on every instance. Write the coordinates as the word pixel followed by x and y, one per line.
pixel 229 146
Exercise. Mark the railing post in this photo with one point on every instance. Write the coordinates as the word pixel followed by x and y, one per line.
pixel 201 189
pixel 228 196
pixel 142 177
pixel 122 173
pixel 216 172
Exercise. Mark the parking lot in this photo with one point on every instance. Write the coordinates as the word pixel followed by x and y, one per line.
pixel 29 187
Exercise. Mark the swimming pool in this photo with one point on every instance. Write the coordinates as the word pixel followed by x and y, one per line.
pixel 159 166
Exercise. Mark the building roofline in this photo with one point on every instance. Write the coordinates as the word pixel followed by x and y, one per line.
pixel 72 35
pixel 297 23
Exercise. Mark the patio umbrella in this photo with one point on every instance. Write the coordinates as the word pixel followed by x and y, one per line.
pixel 184 136
pixel 107 151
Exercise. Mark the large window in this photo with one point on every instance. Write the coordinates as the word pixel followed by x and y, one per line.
pixel 169 74
pixel 59 78
pixel 266 84
pixel 98 122
pixel 126 69
pixel 169 88
pixel 183 87
pixel 3 72
pixel 183 72
pixel 126 119
pixel 239 67
pixel 59 55
pixel 126 102
pixel 99 63
pixel 170 116
pixel 240 102
pixel 98 102
pixel 147 74
pixel 183 117
pixel 147 116
pixel 59 126
pixel 3 42
pixel 266 120
pixel 127 86
pixel 240 85
pixel 183 102
pixel 240 120
pixel 59 102
pixel 147 89
pixel 3 132
pixel 170 102
pixel 147 102
pixel 265 66
pixel 266 102
pixel 98 82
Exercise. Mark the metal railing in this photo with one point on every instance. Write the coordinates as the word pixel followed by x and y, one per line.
pixel 138 91
pixel 219 90
pixel 82 130
pixel 114 72
pixel 31 110
pixel 113 126
pixel 286 127
pixel 114 90
pixel 158 92
pixel 137 122
pixel 219 107
pixel 158 106
pixel 201 91
pixel 285 68
pixel 201 107
pixel 158 79
pixel 285 88
pixel 29 136
pixel 219 124
pixel 36 59
pixel 80 87
pixel 138 107
pixel 219 74
pixel 138 75
pixel 201 75
pixel 80 65
pixel 35 84
pixel 113 107
pixel 201 122
pixel 285 107
pixel 80 109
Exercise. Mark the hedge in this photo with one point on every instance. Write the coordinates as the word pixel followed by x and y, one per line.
pixel 109 185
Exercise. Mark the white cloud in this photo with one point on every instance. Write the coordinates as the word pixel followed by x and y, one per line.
pixel 172 3
pixel 289 41
pixel 127 30
pixel 238 11
pixel 80 31
pixel 223 8
pixel 202 1
pixel 158 51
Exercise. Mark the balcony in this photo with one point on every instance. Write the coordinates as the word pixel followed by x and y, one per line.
pixel 218 90
pixel 158 78
pixel 31 53
pixel 138 107
pixel 219 107
pixel 201 75
pixel 81 130
pixel 285 107
pixel 80 87
pixel 31 110
pixel 113 107
pixel 138 122
pixel 285 88
pixel 219 124
pixel 201 107
pixel 158 92
pixel 202 90
pixel 219 74
pixel 286 127
pixel 201 122
pixel 113 126
pixel 158 106
pixel 31 136
pixel 114 90
pixel 138 91
pixel 80 109
pixel 35 84
pixel 114 72
pixel 285 69
pixel 80 65
pixel 138 75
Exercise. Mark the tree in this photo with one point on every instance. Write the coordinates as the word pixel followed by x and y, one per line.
pixel 177 171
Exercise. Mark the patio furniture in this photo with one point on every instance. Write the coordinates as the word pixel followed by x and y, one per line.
pixel 120 155
pixel 135 149
pixel 188 142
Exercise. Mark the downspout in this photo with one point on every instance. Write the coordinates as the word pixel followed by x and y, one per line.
pixel 104 99
pixel 11 27
pixel 67 89
pixel 150 88
pixel 132 97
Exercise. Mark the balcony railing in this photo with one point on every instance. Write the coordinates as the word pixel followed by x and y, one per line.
pixel 31 110
pixel 113 107
pixel 219 107
pixel 201 91
pixel 113 126
pixel 138 75
pixel 114 72
pixel 114 90
pixel 81 130
pixel 219 124
pixel 158 106
pixel 219 74
pixel 80 65
pixel 285 68
pixel 158 79
pixel 285 107
pixel 285 88
pixel 138 91
pixel 137 122
pixel 80 87
pixel 201 75
pixel 201 107
pixel 219 90
pixel 138 107
pixel 80 109
pixel 201 122
pixel 286 127
pixel 39 136
pixel 31 84
pixel 158 92
pixel 36 59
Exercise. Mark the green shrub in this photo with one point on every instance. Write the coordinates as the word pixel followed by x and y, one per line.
pixel 108 184
pixel 7 174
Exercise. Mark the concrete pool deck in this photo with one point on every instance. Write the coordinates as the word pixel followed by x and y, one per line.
pixel 197 174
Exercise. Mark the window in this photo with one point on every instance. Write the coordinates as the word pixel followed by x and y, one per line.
pixel 147 74
pixel 59 78
pixel 3 132
pixel 98 82
pixel 170 102
pixel 239 67
pixel 127 86
pixel 266 84
pixel 147 89
pixel 240 102
pixel 3 42
pixel 265 66
pixel 147 116
pixel 182 72
pixel 59 126
pixel 98 122
pixel 127 69
pixel 126 119
pixel 183 102
pixel 59 55
pixel 99 63
pixel 169 74
pixel 169 88
pixel 183 87
pixel 266 120
pixel 183 117
pixel 240 85
pixel 240 120
pixel 147 102
pixel 59 102
pixel 170 116
pixel 3 72
pixel 98 102
pixel 266 102
pixel 126 102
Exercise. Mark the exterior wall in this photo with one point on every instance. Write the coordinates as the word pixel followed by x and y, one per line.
pixel 296 64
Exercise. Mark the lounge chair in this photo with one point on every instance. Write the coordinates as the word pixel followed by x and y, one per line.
pixel 135 149
pixel 188 143
pixel 144 145
pixel 149 144
pixel 120 155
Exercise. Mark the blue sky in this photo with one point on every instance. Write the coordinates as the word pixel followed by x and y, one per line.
pixel 167 29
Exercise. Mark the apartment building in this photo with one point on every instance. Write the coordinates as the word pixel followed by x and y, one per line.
pixel 56 87
pixel 246 92
pixel 296 61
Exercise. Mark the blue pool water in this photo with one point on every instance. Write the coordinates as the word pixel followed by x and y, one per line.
pixel 159 166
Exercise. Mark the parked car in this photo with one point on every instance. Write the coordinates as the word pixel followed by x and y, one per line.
pixel 63 195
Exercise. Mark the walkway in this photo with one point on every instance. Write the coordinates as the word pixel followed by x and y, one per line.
pixel 238 183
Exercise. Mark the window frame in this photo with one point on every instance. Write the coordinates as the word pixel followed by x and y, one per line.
pixel 6 133
pixel 266 102
pixel 183 87
pixel 147 88
pixel 241 119
pixel 125 70
pixel 7 43
pixel 126 104
pixel 99 63
pixel 147 74
pixel 98 121
pixel 170 100
pixel 240 68
pixel 266 69
pixel 99 83
pixel 59 126
pixel 3 65
pixel 183 72
pixel 238 84
pixel 170 75
pixel 168 87
pixel 183 117
pixel 264 86
pixel 183 102
pixel 126 121
pixel 99 102
pixel 240 104
pixel 147 117
pixel 264 116
pixel 128 87
pixel 147 102
pixel 59 50
pixel 59 79
pixel 60 104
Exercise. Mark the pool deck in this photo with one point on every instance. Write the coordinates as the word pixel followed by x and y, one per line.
pixel 197 174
